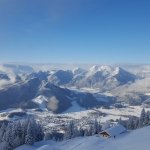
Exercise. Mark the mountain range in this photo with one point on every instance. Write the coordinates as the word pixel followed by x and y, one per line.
pixel 57 89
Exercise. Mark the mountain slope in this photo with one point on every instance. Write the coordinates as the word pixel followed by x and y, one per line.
pixel 61 77
pixel 138 140
pixel 34 93
pixel 19 94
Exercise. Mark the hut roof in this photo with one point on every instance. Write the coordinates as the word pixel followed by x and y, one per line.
pixel 115 130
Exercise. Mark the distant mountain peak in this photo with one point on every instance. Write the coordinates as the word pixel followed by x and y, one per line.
pixel 78 71
pixel 106 67
pixel 94 68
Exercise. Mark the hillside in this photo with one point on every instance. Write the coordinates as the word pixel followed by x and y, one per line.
pixel 138 140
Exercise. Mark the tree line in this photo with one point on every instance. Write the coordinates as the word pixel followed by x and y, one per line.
pixel 21 132
pixel 136 122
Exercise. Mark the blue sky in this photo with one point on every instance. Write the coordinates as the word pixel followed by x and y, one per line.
pixel 75 31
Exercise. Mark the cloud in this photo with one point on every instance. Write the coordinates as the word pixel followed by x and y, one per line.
pixel 53 103
pixel 140 86
pixel 9 72
pixel 3 83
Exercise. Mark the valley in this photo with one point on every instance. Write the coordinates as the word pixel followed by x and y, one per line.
pixel 56 98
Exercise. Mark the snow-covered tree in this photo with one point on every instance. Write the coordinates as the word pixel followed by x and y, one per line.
pixel 2 131
pixel 70 133
pixel 47 136
pixel 81 131
pixel 130 123
pixel 30 137
pixel 39 135
pixel 106 125
pixel 97 127
pixel 24 127
pixel 147 118
pixel 136 123
pixel 4 146
pixel 87 132
pixel 17 141
pixel 142 118
pixel 20 132
pixel 120 121
pixel 8 137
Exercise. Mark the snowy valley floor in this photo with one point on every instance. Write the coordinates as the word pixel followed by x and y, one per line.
pixel 135 140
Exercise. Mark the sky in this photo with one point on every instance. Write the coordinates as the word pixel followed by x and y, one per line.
pixel 75 31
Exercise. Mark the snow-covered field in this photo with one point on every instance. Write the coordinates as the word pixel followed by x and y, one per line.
pixel 77 113
pixel 4 114
pixel 50 120
pixel 113 113
pixel 135 140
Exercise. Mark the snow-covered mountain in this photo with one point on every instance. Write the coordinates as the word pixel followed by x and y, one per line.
pixel 13 73
pixel 138 140
pixel 22 86
pixel 61 77
pixel 102 77
pixel 36 93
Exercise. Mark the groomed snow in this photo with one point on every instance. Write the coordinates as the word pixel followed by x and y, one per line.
pixel 135 140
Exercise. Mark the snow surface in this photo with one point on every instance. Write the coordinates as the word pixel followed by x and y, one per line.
pixel 4 113
pixel 74 108
pixel 135 140
pixel 41 100
pixel 71 113
pixel 113 113
pixel 148 94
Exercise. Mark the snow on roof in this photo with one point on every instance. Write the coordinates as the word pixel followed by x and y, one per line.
pixel 115 130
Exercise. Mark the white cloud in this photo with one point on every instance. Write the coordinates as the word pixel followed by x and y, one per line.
pixel 9 72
